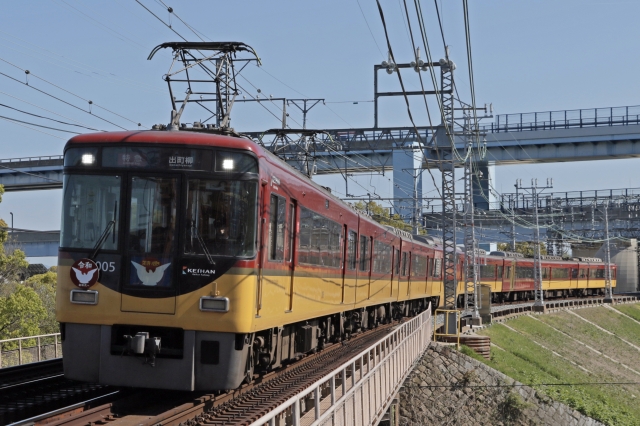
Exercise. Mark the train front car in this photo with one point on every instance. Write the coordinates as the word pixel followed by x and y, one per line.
pixel 157 261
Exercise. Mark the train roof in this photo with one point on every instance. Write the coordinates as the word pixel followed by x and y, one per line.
pixel 164 137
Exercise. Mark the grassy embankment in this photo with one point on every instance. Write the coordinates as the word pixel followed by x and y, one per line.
pixel 594 353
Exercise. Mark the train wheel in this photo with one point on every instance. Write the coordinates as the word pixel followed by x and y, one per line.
pixel 248 378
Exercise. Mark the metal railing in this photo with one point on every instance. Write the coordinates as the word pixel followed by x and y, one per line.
pixel 360 391
pixel 24 350
pixel 565 119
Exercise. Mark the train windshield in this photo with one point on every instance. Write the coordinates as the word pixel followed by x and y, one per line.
pixel 90 203
pixel 152 217
pixel 221 218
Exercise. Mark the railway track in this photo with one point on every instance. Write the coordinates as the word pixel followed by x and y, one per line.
pixel 156 407
pixel 510 308
pixel 32 389
pixel 10 376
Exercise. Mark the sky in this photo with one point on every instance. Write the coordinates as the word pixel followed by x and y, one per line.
pixel 527 56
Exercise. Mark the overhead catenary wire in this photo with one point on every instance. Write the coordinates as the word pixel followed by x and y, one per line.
pixel 102 25
pixel 38 125
pixel 59 99
pixel 69 92
pixel 384 25
pixel 192 29
pixel 31 128
pixel 161 20
pixel 369 27
pixel 70 64
pixel 171 11
pixel 48 118
pixel 44 109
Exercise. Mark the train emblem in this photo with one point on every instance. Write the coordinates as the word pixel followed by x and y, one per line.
pixel 84 273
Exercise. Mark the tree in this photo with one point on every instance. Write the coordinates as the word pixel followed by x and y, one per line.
pixel 21 313
pixel 526 248
pixel 45 287
pixel 382 215
pixel 21 309
pixel 11 263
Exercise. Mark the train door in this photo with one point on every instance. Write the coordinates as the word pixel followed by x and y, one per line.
pixel 352 260
pixel 508 281
pixel 264 208
pixel 344 261
pixel 291 255
pixel 363 291
pixel 150 267
pixel 410 260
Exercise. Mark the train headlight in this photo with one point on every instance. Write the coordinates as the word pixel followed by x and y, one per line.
pixel 214 304
pixel 227 164
pixel 88 159
pixel 84 297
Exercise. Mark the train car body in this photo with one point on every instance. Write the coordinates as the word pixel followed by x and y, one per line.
pixel 191 261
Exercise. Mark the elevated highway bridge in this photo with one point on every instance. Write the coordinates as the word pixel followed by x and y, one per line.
pixel 538 137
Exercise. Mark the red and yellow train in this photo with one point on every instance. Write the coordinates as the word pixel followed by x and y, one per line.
pixel 191 261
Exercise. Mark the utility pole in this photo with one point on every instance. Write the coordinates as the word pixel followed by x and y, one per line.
pixel 608 291
pixel 470 261
pixel 535 190
pixel 447 168
pixel 513 219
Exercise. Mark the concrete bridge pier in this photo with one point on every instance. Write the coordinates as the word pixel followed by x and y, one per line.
pixel 407 182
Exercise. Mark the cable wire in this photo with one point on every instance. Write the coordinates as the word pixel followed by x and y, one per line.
pixel 51 119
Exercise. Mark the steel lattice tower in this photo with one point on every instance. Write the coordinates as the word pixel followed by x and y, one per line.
pixel 470 245
pixel 447 167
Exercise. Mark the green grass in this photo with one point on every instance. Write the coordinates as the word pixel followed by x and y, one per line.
pixel 534 365
pixel 471 353
pixel 632 310
pixel 620 325
pixel 613 346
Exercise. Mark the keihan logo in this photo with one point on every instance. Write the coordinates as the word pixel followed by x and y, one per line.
pixel 198 272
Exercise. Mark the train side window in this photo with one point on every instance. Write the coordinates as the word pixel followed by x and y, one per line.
pixel 508 272
pixel 584 272
pixel 488 271
pixel 500 271
pixel 419 266
pixel 397 260
pixel 276 227
pixel 404 264
pixel 574 273
pixel 545 273
pixel 524 272
pixel 559 273
pixel 382 258
pixel 351 250
pixel 364 253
